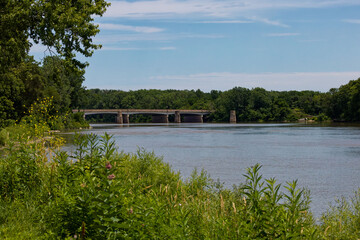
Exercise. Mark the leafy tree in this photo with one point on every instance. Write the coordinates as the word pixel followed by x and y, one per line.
pixel 65 27
pixel 19 88
pixel 63 83
pixel 345 102
pixel 235 99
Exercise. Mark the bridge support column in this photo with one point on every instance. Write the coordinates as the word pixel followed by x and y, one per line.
pixel 126 118
pixel 119 118
pixel 177 117
pixel 160 118
pixel 232 116
pixel 193 119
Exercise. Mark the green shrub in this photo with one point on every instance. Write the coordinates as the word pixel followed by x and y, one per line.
pixel 4 137
pixel 98 193
pixel 322 118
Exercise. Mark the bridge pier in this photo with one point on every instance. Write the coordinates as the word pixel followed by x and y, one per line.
pixel 232 116
pixel 126 118
pixel 193 119
pixel 177 117
pixel 158 115
pixel 160 118
pixel 119 118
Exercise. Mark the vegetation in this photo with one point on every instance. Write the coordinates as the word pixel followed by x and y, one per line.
pixel 345 102
pixel 41 118
pixel 251 105
pixel 100 193
pixel 65 28
pixel 97 192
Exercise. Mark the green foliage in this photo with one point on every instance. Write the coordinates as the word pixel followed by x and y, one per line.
pixel 251 105
pixel 4 137
pixel 321 118
pixel 342 221
pixel 65 27
pixel 345 102
pixel 274 214
pixel 39 121
pixel 98 193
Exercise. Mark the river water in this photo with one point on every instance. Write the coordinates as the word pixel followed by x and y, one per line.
pixel 323 158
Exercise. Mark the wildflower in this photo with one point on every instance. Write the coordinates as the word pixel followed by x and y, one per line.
pixel 108 165
pixel 131 211
pixel 111 177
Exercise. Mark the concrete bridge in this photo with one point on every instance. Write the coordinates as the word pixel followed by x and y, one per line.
pixel 157 115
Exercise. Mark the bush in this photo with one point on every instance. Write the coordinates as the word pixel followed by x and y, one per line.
pixel 4 137
pixel 322 118
pixel 99 193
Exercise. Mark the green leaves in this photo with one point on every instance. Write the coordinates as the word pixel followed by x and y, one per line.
pixel 274 214
pixel 67 197
pixel 345 102
pixel 63 26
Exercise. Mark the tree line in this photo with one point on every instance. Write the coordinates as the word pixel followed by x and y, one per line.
pixel 251 105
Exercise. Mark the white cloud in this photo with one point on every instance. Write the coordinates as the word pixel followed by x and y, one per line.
pixel 110 26
pixel 159 9
pixel 108 48
pixel 268 21
pixel 167 48
pixel 228 21
pixel 312 40
pixel 319 81
pixel 159 37
pixel 282 34
pixel 356 21
pixel 170 8
pixel 118 49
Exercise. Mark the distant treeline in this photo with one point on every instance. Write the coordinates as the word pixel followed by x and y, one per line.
pixel 251 105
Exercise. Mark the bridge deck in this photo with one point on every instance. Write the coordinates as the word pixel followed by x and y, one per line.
pixel 143 111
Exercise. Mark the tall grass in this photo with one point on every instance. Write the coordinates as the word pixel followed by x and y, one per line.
pixel 97 192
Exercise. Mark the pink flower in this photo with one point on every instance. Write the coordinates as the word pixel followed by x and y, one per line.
pixel 131 211
pixel 108 165
pixel 111 177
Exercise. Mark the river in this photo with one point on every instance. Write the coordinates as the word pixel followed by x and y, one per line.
pixel 323 158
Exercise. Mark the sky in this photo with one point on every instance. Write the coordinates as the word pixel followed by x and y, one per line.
pixel 220 44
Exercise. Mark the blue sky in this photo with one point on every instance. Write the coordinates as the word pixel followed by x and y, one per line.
pixel 220 44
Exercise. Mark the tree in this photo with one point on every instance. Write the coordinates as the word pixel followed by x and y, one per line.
pixel 345 102
pixel 235 99
pixel 65 26
pixel 63 83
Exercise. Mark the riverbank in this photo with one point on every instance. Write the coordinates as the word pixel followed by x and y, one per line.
pixel 99 193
